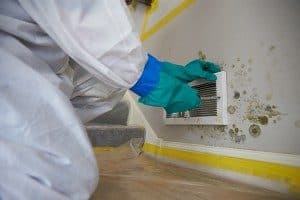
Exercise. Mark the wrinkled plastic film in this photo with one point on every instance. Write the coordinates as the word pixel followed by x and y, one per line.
pixel 126 172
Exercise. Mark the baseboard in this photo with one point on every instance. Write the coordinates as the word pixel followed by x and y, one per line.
pixel 274 171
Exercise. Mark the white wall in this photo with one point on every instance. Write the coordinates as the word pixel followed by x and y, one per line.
pixel 262 40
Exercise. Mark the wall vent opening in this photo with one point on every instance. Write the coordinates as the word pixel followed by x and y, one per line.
pixel 214 105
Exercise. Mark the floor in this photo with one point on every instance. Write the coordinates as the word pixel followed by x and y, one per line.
pixel 127 174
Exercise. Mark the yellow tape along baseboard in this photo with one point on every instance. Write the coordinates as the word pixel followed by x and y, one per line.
pixel 281 168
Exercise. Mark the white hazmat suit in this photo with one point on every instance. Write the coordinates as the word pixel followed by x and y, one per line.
pixel 62 63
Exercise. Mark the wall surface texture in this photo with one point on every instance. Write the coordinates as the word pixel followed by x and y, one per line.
pixel 258 44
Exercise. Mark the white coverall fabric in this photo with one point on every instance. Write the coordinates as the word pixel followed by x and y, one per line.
pixel 62 63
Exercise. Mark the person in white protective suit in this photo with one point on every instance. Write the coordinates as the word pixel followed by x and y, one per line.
pixel 63 63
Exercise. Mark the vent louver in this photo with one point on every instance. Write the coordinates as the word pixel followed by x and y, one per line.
pixel 214 104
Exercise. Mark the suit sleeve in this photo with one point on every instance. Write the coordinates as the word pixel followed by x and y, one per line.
pixel 98 35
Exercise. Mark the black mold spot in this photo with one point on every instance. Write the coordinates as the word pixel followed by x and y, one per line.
pixel 236 95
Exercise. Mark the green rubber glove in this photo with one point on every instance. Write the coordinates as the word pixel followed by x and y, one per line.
pixel 173 92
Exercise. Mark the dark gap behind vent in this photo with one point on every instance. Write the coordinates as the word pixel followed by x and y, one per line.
pixel 208 93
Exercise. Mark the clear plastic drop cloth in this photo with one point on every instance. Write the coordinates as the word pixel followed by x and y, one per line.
pixel 127 173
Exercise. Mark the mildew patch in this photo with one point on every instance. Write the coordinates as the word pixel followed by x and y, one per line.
pixel 231 109
pixel 249 111
pixel 210 133
pixel 240 71
pixel 236 130
pixel 220 129
pixel 272 112
pixel 236 95
pixel 235 134
pixel 259 112
pixel 254 130
pixel 202 55
pixel 240 138
pixel 263 120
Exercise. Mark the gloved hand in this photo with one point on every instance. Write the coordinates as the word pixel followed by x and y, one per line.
pixel 173 92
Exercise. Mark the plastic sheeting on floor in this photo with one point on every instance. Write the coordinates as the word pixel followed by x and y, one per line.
pixel 127 173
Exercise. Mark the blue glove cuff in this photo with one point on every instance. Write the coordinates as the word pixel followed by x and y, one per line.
pixel 149 78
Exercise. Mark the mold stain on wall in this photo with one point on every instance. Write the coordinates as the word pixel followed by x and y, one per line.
pixel 250 113
pixel 254 130
pixel 231 109
pixel 236 134
pixel 258 114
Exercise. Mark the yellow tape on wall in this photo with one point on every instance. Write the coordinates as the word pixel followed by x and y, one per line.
pixel 268 170
pixel 146 34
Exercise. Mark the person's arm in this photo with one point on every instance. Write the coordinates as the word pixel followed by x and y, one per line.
pixel 100 37
pixel 171 89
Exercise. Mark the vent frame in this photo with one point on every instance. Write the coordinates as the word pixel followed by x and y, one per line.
pixel 221 117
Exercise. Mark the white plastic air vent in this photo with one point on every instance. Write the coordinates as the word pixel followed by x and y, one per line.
pixel 214 105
